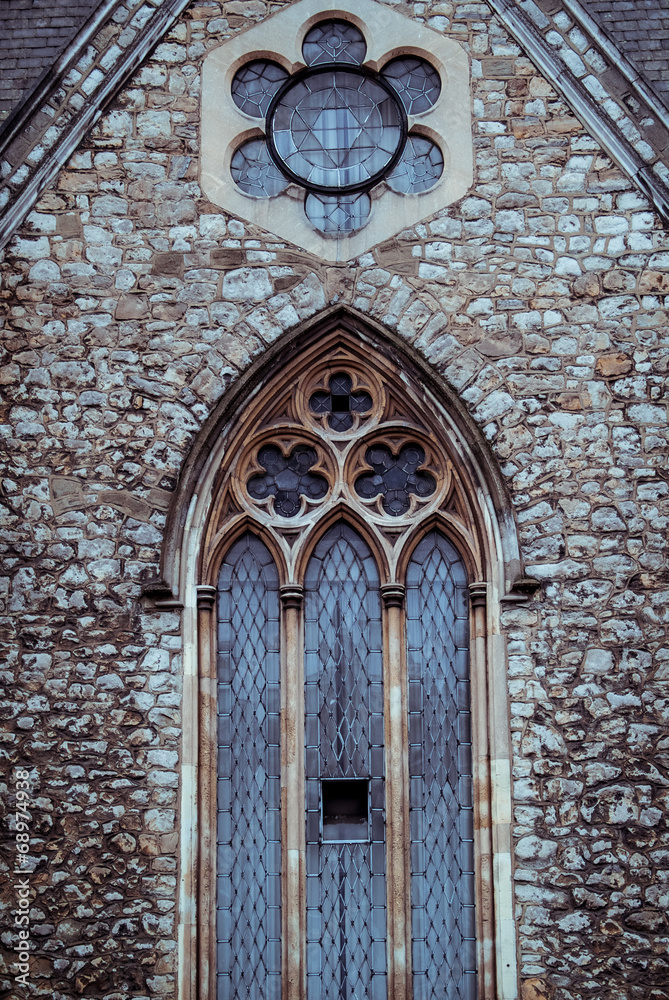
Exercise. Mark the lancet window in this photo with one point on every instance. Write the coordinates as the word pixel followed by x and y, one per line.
pixel 344 820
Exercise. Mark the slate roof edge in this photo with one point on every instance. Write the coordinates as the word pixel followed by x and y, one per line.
pixel 610 48
pixel 547 44
pixel 54 118
pixel 67 102
pixel 51 78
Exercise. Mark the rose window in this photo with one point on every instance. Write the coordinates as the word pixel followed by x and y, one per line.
pixel 337 129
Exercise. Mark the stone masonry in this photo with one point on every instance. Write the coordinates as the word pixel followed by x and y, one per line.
pixel 131 304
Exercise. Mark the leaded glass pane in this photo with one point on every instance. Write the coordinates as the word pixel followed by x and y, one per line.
pixel 395 477
pixel 440 768
pixel 340 402
pixel 344 739
pixel 255 84
pixel 416 82
pixel 337 129
pixel 334 41
pixel 419 167
pixel 287 479
pixel 248 877
pixel 254 171
pixel 335 214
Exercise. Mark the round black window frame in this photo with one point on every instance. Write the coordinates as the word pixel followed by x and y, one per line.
pixel 318 70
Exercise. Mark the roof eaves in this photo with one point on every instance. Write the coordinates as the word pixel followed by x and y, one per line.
pixel 616 57
pixel 602 88
pixel 47 128
pixel 583 64
pixel 43 86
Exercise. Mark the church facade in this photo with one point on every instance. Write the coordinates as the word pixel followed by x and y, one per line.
pixel 335 506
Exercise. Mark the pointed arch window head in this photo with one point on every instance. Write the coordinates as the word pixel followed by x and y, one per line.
pixel 350 854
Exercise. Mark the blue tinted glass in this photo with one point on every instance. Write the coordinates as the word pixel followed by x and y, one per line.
pixel 334 41
pixel 337 128
pixel 440 768
pixel 416 82
pixel 419 167
pixel 337 214
pixel 254 86
pixel 346 892
pixel 249 777
pixel 254 171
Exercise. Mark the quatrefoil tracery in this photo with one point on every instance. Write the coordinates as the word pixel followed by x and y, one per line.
pixel 287 479
pixel 383 473
pixel 340 402
pixel 395 477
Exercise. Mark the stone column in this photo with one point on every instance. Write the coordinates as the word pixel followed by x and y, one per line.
pixel 292 796
pixel 397 793
pixel 207 778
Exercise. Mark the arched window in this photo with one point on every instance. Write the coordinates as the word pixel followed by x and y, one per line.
pixel 248 828
pixel 347 841
pixel 443 924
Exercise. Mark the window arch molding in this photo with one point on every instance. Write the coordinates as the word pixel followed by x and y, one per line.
pixel 472 512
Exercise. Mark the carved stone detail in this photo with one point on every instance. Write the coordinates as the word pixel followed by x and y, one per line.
pixel 206 597
pixel 393 595
pixel 305 449
pixel 478 594
pixel 292 595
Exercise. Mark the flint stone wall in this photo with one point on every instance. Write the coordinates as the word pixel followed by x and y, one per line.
pixel 132 304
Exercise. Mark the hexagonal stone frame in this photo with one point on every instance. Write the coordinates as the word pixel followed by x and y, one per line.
pixel 279 38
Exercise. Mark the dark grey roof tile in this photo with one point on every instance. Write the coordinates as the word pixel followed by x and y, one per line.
pixel 33 34
pixel 640 28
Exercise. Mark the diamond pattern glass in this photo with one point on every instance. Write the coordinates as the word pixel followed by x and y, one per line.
pixel 440 770
pixel 255 84
pixel 344 738
pixel 395 477
pixel 248 878
pixel 287 479
pixel 254 171
pixel 334 41
pixel 416 82
pixel 418 169
pixel 336 129
pixel 340 402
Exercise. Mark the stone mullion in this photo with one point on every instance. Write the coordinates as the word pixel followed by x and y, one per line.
pixel 397 795
pixel 293 838
pixel 207 789
pixel 485 935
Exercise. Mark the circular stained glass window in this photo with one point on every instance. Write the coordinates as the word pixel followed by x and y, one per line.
pixel 254 170
pixel 337 214
pixel 336 129
pixel 416 82
pixel 334 42
pixel 254 86
pixel 419 168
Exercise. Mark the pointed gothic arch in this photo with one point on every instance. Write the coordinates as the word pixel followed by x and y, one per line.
pixel 284 411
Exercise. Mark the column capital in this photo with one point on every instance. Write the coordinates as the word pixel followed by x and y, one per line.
pixel 292 595
pixel 478 594
pixel 393 595
pixel 206 597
